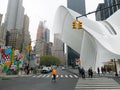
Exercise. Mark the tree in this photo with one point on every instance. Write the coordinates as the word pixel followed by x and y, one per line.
pixel 49 60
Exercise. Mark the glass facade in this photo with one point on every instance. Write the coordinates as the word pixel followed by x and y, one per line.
pixel 104 14
pixel 77 6
pixel 72 55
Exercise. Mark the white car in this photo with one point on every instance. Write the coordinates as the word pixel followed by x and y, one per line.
pixel 63 68
pixel 45 70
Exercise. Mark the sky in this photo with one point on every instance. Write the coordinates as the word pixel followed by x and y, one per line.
pixel 40 10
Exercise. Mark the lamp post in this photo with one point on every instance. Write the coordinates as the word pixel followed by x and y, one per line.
pixel 29 52
pixel 116 74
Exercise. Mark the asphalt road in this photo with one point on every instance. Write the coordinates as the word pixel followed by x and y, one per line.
pixel 65 81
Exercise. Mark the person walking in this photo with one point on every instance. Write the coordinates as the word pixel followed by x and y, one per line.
pixel 83 72
pixel 54 72
pixel 90 72
pixel 98 71
pixel 79 70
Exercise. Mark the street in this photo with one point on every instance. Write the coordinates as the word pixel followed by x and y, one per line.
pixel 65 81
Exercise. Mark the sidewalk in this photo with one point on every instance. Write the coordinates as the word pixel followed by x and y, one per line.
pixel 75 71
pixel 3 75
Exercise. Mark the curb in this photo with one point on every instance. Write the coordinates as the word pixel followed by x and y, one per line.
pixel 14 76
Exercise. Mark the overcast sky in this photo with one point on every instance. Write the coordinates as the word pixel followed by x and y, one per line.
pixel 45 10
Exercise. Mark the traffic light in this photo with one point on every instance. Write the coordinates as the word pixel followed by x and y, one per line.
pixel 79 24
pixel 74 24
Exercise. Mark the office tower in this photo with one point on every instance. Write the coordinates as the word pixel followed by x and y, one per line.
pixel 26 33
pixel 42 39
pixel 14 24
pixel 107 12
pixel 100 15
pixel 1 31
pixel 58 48
pixel 77 5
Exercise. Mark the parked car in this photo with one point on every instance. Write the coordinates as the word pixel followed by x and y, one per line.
pixel 45 70
pixel 63 68
pixel 50 69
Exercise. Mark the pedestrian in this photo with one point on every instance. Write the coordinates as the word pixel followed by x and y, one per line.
pixel 54 72
pixel 98 71
pixel 83 72
pixel 90 72
pixel 79 70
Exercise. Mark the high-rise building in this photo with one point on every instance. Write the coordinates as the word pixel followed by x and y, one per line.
pixel 15 15
pixel 107 12
pixel 100 14
pixel 14 20
pixel 77 5
pixel 1 31
pixel 42 39
pixel 38 44
pixel 26 33
pixel 0 18
pixel 58 48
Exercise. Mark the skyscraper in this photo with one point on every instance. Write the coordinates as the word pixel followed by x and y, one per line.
pixel 1 31
pixel 58 48
pixel 77 5
pixel 100 14
pixel 42 39
pixel 107 12
pixel 15 15
pixel 26 34
pixel 13 27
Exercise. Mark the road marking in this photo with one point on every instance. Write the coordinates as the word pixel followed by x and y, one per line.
pixel 52 76
pixel 75 76
pixel 39 76
pixel 66 76
pixel 34 76
pixel 97 83
pixel 43 75
pixel 57 76
pixel 48 76
pixel 61 76
pixel 71 76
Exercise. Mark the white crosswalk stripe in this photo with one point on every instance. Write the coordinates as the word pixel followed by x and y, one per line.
pixel 34 76
pixel 48 76
pixel 97 84
pixel 61 76
pixel 71 76
pixel 57 76
pixel 43 75
pixel 66 76
pixel 75 76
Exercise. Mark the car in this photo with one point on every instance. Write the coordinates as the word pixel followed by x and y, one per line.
pixel 50 69
pixel 63 68
pixel 45 70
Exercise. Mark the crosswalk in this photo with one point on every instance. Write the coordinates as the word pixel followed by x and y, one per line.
pixel 97 84
pixel 57 76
